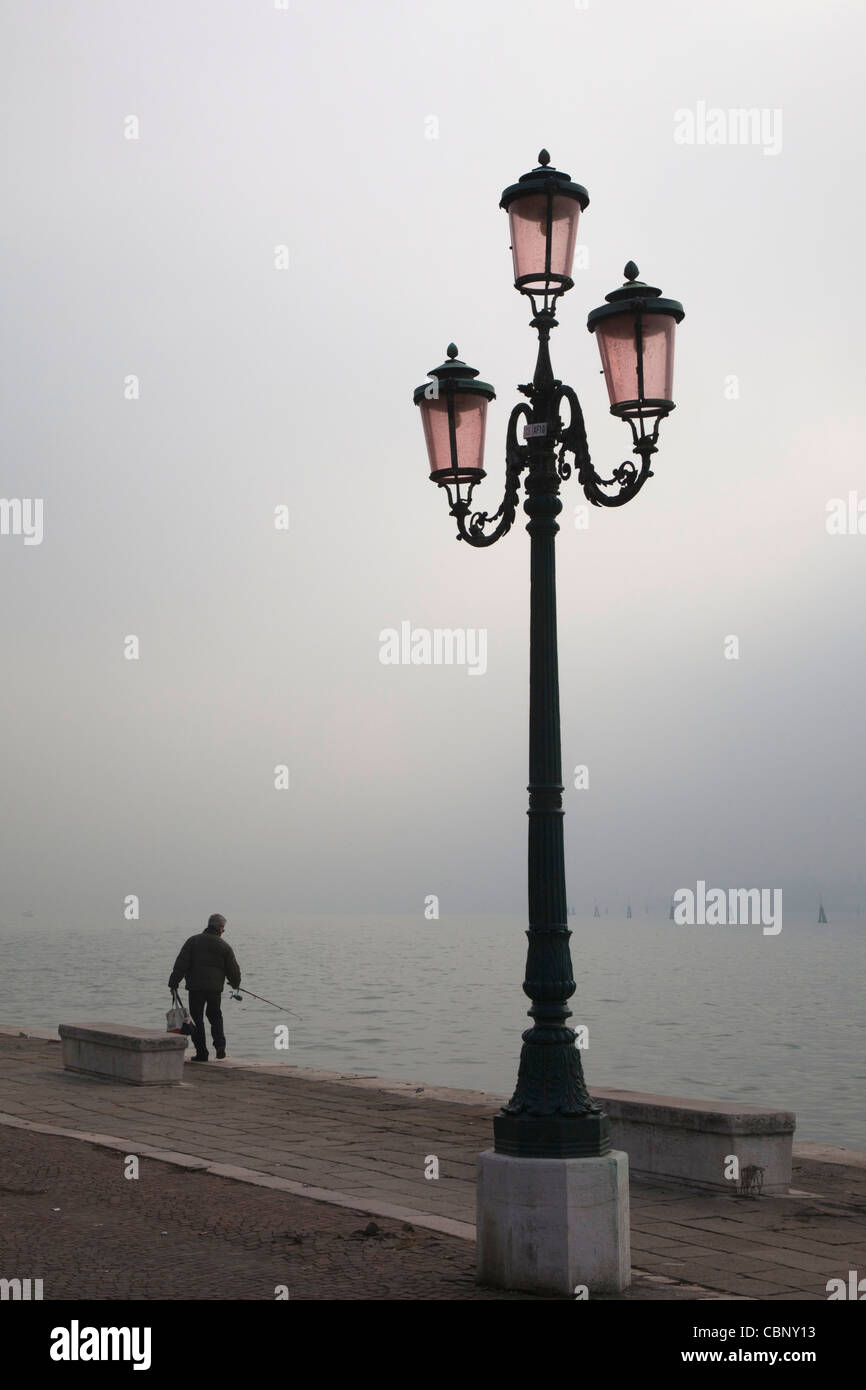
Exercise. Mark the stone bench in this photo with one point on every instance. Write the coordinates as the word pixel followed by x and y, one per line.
pixel 138 1056
pixel 689 1142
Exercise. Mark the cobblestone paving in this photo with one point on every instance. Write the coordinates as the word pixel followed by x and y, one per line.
pixel 227 1239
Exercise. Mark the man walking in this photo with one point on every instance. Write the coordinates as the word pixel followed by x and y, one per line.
pixel 207 962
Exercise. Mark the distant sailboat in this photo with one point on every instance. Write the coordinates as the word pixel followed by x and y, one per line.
pixel 596 913
pixel 822 916
pixel 628 911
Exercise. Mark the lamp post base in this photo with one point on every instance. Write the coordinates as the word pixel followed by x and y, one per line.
pixel 553 1225
pixel 552 1136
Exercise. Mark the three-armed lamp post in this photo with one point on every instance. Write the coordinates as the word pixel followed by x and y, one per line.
pixel 530 1233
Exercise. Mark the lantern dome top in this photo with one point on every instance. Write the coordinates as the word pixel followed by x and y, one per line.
pixel 456 374
pixel 632 288
pixel 543 178
pixel 635 294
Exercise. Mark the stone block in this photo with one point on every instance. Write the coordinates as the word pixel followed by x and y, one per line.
pixel 690 1142
pixel 551 1225
pixel 137 1056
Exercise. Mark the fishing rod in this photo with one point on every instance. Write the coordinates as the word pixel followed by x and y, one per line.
pixel 237 995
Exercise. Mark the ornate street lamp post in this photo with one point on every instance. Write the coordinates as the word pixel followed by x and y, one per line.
pixel 551 1114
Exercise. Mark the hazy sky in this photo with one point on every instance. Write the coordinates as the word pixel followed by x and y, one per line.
pixel 157 258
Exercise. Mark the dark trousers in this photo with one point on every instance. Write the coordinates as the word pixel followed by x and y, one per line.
pixel 199 1000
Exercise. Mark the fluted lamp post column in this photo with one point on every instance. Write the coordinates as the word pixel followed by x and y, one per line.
pixel 552 1195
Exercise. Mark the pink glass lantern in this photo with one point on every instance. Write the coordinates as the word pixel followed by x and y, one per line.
pixel 543 212
pixel 635 333
pixel 454 416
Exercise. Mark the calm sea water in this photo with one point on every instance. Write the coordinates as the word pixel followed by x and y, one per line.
pixel 721 1012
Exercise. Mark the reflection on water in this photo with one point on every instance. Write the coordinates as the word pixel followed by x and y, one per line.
pixel 699 1011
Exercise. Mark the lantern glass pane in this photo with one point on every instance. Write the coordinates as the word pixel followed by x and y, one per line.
pixel 528 221
pixel 618 348
pixel 470 420
pixel 658 357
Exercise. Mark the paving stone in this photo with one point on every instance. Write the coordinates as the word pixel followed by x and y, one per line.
pixel 814 1281
pixel 796 1259
pixel 672 1230
pixel 731 1282
pixel 800 1297
pixel 659 1244
pixel 821 1249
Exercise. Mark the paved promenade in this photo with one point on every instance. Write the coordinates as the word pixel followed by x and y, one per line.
pixel 254 1169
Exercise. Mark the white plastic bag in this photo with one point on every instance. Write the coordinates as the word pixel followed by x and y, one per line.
pixel 177 1017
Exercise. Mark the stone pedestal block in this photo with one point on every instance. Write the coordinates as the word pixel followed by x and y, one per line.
pixel 550 1225
pixel 138 1056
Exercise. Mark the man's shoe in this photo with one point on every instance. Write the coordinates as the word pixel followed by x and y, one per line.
pixel 199 1058
pixel 221 1052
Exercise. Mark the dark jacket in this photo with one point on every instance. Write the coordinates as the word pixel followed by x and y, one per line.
pixel 207 961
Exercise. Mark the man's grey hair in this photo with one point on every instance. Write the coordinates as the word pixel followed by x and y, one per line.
pixel 215 920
